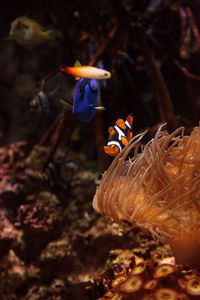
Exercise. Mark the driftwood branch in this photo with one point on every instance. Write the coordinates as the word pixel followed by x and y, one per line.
pixel 186 72
pixel 159 84
pixel 104 46
pixel 193 26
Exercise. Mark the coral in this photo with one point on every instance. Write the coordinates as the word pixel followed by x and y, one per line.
pixel 131 276
pixel 57 290
pixel 82 181
pixel 13 154
pixel 40 214
pixel 58 258
pixel 11 169
pixel 8 234
pixel 45 231
pixel 13 274
pixel 40 219
pixel 158 190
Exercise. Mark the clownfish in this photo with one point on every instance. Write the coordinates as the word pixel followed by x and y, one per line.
pixel 85 99
pixel 119 135
pixel 79 71
pixel 29 33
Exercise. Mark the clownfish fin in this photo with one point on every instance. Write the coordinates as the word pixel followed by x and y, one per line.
pixel 111 131
pixel 68 104
pixel 124 140
pixel 111 150
pixel 130 119
pixel 129 134
pixel 166 132
pixel 120 122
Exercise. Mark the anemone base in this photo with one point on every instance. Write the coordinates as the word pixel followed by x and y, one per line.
pixel 186 248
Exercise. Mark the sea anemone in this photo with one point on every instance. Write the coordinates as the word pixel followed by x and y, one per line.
pixel 158 190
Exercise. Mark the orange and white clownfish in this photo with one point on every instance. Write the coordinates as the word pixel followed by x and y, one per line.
pixel 119 135
pixel 79 71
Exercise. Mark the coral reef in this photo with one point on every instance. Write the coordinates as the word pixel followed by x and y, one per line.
pixel 8 234
pixel 43 232
pixel 132 276
pixel 54 246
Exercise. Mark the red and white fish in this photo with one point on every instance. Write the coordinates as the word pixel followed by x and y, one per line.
pixel 79 71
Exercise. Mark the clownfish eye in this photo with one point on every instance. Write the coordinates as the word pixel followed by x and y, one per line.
pixel 106 74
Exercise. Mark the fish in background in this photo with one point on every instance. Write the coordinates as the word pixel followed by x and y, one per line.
pixel 119 135
pixel 85 99
pixel 41 100
pixel 80 71
pixel 52 174
pixel 41 103
pixel 46 96
pixel 29 33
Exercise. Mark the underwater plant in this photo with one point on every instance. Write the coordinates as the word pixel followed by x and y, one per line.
pixel 158 190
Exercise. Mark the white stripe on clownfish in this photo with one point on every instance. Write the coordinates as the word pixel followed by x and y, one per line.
pixel 120 132
pixel 128 124
pixel 116 144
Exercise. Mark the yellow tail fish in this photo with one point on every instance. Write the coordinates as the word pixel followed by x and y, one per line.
pixel 28 32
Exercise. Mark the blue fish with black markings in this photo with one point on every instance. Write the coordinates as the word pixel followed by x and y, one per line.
pixel 85 99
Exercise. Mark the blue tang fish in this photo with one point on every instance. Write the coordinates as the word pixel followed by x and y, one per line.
pixel 85 99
